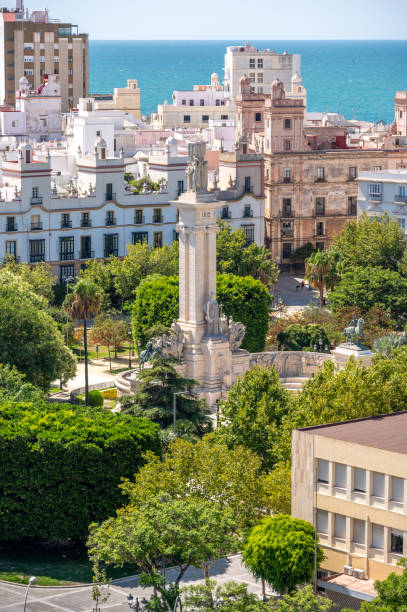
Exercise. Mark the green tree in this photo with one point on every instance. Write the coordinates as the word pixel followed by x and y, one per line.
pixel 61 467
pixel 322 271
pixel 83 304
pixel 158 532
pixel 278 488
pixel 303 252
pixel 29 337
pixel 281 551
pixel 109 331
pixel 228 597
pixel 371 242
pixel 251 415
pixel 14 387
pixel 39 277
pixel 303 600
pixel 306 337
pixel 366 288
pixel 154 400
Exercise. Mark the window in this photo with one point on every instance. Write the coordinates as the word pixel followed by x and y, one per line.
pixel 141 237
pixel 66 272
pixel 340 475
pixel 340 526
pixel 86 247
pixel 359 480
pixel 258 117
pixel 11 248
pixel 191 103
pixel 359 531
pixel 323 471
pixel 37 250
pixel 352 173
pixel 247 212
pixel 110 220
pixel 320 174
pixel 375 189
pixel 66 248
pixel 158 240
pixel 287 145
pixel 287 207
pixel 320 228
pixel 287 247
pixel 36 222
pixel 35 193
pixel 287 124
pixel 205 118
pixel 287 229
pixel 287 175
pixel 11 224
pixel 352 205
pixel 249 233
pixel 397 489
pixel 377 537
pixel 252 62
pixel 56 59
pixel 225 212
pixel 402 191
pixel 401 114
pixel 217 103
pixel 260 77
pixel 402 222
pixel 252 77
pixel 157 215
pixel 85 220
pixel 180 187
pixel 247 184
pixel 260 90
pixel 44 121
pixel 224 117
pixel 65 220
pixel 320 246
pixel 109 191
pixel 396 541
pixel 28 58
pixel 138 216
pixel 378 485
pixel 320 207
pixel 28 72
pixel 322 521
pixel 377 168
pixel 111 245
pixel 184 102
pixel 202 102
pixel 260 62
pixel 187 118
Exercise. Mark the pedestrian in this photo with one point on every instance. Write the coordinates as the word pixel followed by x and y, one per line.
pixel 302 285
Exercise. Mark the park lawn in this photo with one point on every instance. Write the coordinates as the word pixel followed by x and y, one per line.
pixel 102 353
pixel 40 580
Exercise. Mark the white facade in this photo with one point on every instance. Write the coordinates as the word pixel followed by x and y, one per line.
pixel 42 108
pixel 384 191
pixel 262 68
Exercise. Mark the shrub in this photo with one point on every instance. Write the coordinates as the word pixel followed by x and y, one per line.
pixel 109 394
pixel 60 467
pixel 95 399
pixel 303 338
pixel 244 298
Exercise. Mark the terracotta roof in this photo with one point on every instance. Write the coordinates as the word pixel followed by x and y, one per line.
pixel 386 431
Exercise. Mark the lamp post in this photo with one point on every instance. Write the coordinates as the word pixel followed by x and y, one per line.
pixel 68 279
pixel 30 582
pixel 130 345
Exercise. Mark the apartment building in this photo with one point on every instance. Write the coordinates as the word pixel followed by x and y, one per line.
pixel 33 45
pixel 350 480
pixel 261 66
pixel 384 191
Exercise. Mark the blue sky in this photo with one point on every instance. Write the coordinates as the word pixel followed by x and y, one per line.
pixel 233 19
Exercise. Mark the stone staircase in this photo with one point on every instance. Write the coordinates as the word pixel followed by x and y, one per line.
pixel 294 383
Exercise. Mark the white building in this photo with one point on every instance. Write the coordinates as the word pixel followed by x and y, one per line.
pixel 384 191
pixel 262 68
pixel 42 108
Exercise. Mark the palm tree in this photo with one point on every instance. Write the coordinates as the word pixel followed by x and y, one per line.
pixel 323 271
pixel 83 304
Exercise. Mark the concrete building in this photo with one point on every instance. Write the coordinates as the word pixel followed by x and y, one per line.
pixel 400 113
pixel 384 191
pixel 126 99
pixel 41 107
pixel 33 45
pixel 350 480
pixel 261 67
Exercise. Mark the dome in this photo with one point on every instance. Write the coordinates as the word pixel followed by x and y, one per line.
pixel 141 156
pixel 171 140
pixel 100 142
pixel 215 76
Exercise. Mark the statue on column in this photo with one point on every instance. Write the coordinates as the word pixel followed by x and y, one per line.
pixel 212 317
pixel 197 169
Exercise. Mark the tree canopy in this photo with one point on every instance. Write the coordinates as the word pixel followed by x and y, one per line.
pixel 281 551
pixel 306 337
pixel 323 271
pixel 38 277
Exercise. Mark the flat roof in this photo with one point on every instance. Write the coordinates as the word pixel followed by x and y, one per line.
pixel 386 431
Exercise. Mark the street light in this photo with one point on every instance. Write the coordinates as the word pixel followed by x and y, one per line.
pixel 130 345
pixel 30 582
pixel 67 280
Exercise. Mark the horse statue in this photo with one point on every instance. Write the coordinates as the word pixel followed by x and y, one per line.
pixel 354 331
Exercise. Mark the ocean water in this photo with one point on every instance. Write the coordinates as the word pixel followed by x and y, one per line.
pixel 356 78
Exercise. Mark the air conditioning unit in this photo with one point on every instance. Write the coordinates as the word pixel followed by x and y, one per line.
pixel 359 573
pixel 348 570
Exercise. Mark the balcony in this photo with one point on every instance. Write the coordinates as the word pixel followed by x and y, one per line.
pixel 109 197
pixel 376 196
pixel 320 234
pixel 68 256
pixel 248 214
pixel 87 254
pixel 139 220
pixel 226 214
pixel 320 180
pixel 35 226
pixel 87 223
pixel 109 252
pixel 286 213
pixel 37 258
pixel 11 227
pixel 36 201
pixel 158 219
pixel 287 233
pixel 66 224
pixel 319 212
pixel 110 221
pixel 401 199
pixel 287 179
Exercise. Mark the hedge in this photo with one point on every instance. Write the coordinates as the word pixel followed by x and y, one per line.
pixel 60 467
pixel 303 337
pixel 242 297
pixel 95 398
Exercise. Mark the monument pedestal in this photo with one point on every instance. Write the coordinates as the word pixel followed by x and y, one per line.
pixel 346 350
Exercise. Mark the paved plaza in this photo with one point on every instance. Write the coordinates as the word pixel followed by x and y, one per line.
pixel 79 599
